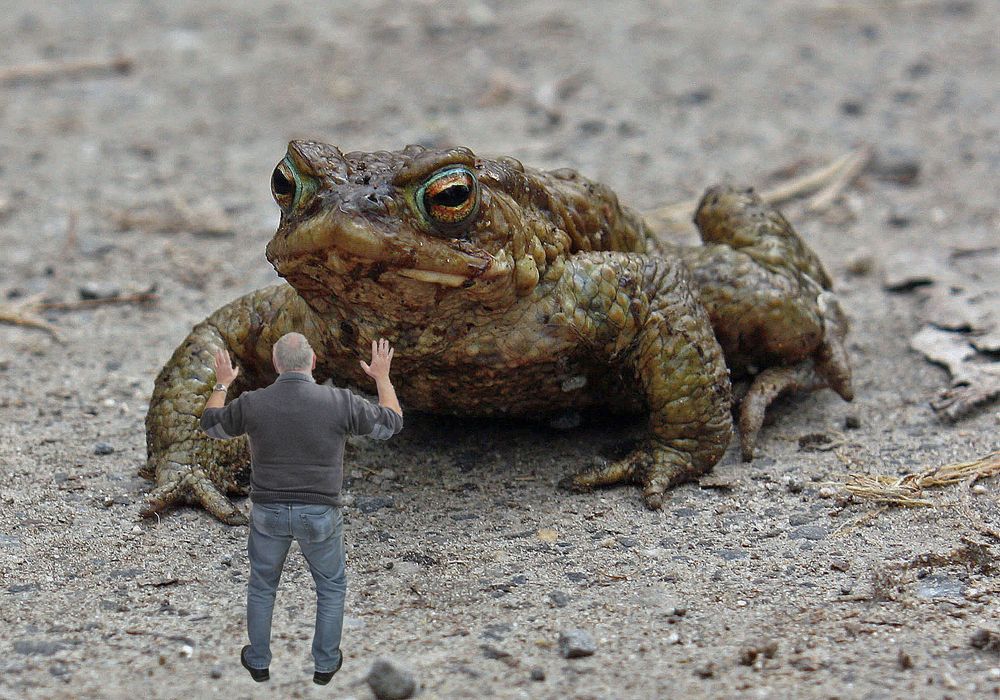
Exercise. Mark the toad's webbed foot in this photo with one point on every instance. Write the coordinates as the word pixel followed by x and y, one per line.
pixel 177 484
pixel 653 466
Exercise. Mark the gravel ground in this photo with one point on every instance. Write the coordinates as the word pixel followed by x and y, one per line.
pixel 469 566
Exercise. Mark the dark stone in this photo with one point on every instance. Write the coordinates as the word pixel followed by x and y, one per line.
pixel 559 599
pixel 899 218
pixel 496 632
pixel 698 96
pixel 576 643
pixel 852 108
pixel 706 670
pixel 576 576
pixel 985 639
pixel 491 652
pixel 370 504
pixel 537 673
pixel 98 290
pixel 732 554
pixel 30 647
pixel 103 448
pixel 419 558
pixel 126 573
pixel 808 532
pixel 900 166
pixel 918 69
pixel 797 519
pixel 852 422
pixel 22 588
pixel 390 681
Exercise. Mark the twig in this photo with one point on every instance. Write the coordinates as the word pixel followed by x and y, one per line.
pixel 843 169
pixel 65 69
pixel 150 633
pixel 824 199
pixel 22 315
pixel 145 297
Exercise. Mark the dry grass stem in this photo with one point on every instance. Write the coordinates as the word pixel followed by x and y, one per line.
pixel 49 70
pixel 832 179
pixel 143 297
pixel 908 490
pixel 25 313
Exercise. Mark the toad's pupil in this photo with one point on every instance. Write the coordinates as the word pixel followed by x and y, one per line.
pixel 281 184
pixel 451 196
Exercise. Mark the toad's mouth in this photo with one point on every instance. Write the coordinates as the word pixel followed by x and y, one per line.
pixel 339 243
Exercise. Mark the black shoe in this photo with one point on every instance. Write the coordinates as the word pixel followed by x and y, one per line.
pixel 258 674
pixel 322 678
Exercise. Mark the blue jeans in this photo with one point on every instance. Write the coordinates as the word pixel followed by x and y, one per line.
pixel 319 530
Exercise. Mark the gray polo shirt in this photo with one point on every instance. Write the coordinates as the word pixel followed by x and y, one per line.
pixel 297 430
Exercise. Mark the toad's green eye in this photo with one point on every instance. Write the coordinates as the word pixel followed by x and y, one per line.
pixel 449 198
pixel 290 190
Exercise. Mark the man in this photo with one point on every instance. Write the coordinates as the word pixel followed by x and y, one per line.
pixel 297 430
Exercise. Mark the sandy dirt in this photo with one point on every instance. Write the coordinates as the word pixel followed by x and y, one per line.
pixel 466 559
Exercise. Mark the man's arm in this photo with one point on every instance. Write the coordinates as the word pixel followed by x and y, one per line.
pixel 225 375
pixel 213 424
pixel 379 371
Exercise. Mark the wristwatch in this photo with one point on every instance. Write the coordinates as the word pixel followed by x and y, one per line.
pixel 220 387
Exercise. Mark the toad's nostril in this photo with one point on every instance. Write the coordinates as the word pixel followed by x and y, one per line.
pixel 281 184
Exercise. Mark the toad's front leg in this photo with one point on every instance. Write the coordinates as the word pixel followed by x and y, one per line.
pixel 188 466
pixel 640 313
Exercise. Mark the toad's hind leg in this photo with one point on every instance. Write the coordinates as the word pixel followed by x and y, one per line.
pixel 828 367
pixel 770 303
pixel 641 315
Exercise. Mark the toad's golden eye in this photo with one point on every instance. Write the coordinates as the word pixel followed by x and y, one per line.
pixel 449 198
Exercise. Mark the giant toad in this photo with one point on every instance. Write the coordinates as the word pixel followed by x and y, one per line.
pixel 511 291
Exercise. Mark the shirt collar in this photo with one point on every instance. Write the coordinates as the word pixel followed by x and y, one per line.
pixel 295 377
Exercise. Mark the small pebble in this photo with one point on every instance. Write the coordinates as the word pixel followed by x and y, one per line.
pixel 390 681
pixel 705 670
pixel 852 422
pixel 98 290
pixel 537 673
pixel 985 639
pixel 794 484
pixel 103 448
pixel 216 671
pixel 187 650
pixel 576 643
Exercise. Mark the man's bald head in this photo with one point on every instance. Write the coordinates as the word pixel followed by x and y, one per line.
pixel 292 353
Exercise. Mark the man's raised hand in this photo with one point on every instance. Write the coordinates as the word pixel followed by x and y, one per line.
pixel 382 354
pixel 225 372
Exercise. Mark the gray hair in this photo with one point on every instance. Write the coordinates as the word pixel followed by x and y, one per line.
pixel 292 353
